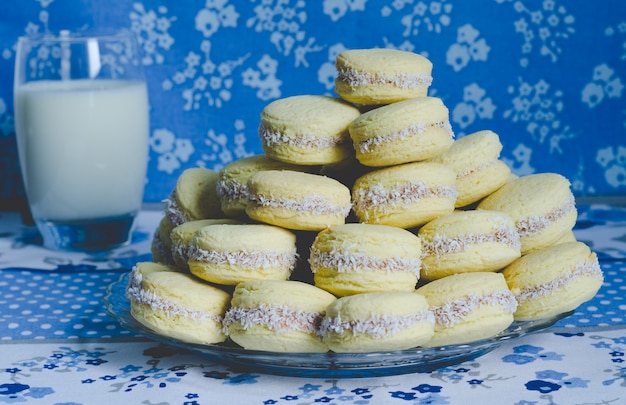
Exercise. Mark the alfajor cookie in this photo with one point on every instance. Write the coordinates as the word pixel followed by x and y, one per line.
pixel 381 76
pixel 307 129
pixel 542 206
pixel 475 160
pixel 232 187
pixel 407 131
pixel 554 280
pixel 357 258
pixel 182 235
pixel 468 241
pixel 177 305
pixel 278 316
pixel 229 254
pixel 296 200
pixel 377 321
pixel 406 195
pixel 194 197
pixel 468 307
pixel 161 244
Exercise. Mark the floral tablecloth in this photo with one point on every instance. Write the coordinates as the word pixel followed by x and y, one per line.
pixel 58 345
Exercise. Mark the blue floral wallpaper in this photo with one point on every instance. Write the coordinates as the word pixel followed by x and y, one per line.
pixel 546 75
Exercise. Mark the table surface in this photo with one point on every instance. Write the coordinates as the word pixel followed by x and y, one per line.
pixel 59 346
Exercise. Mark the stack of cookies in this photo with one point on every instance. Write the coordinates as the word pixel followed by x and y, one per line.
pixel 365 226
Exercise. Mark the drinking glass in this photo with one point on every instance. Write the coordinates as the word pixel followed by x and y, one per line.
pixel 82 127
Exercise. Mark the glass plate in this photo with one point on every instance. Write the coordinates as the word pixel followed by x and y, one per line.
pixel 325 365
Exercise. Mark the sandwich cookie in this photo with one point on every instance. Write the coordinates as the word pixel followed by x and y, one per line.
pixel 307 129
pixel 232 187
pixel 406 195
pixel 407 131
pixel 468 241
pixel 468 307
pixel 381 76
pixel 542 206
pixel 194 197
pixel 554 280
pixel 177 305
pixel 377 321
pixel 182 235
pixel 298 201
pixel 161 245
pixel 357 258
pixel 475 160
pixel 278 316
pixel 229 254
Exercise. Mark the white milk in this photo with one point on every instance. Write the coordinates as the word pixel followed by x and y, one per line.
pixel 83 147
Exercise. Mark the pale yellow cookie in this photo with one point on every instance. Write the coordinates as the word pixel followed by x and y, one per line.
pixel 405 195
pixel 161 245
pixel 377 322
pixel 298 201
pixel 407 131
pixel 381 76
pixel 177 305
pixel 554 280
pixel 357 258
pixel 278 316
pixel 232 188
pixel 469 307
pixel 194 197
pixel 542 206
pixel 307 129
pixel 230 254
pixel 468 241
pixel 475 159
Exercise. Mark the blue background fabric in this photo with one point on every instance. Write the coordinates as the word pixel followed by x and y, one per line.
pixel 546 75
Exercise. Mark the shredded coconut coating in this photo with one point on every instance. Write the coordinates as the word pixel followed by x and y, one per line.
pixel 314 204
pixel 537 223
pixel 378 326
pixel 343 262
pixel 588 268
pixel 454 311
pixel 276 317
pixel 173 212
pixel 180 252
pixel 231 190
pixel 442 245
pixel 411 130
pixel 137 294
pixel 403 80
pixel 247 259
pixel 270 138
pixel 402 196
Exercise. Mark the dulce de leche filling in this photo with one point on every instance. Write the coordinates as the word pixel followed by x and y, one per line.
pixel 247 259
pixel 412 130
pixel 135 292
pixel 279 318
pixel 587 268
pixel 378 326
pixel 231 190
pixel 271 137
pixel 441 244
pixel 172 210
pixel 343 262
pixel 313 204
pixel 354 77
pixel 454 311
pixel 401 196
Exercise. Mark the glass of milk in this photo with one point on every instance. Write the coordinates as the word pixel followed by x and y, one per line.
pixel 82 126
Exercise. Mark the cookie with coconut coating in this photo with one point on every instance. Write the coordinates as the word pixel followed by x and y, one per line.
pixel 381 76
pixel 307 129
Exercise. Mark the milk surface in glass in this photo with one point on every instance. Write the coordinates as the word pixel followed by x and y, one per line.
pixel 83 147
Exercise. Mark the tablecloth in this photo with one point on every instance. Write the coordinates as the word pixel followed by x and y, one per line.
pixel 59 346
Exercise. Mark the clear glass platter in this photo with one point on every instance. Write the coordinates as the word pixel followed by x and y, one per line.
pixel 324 365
